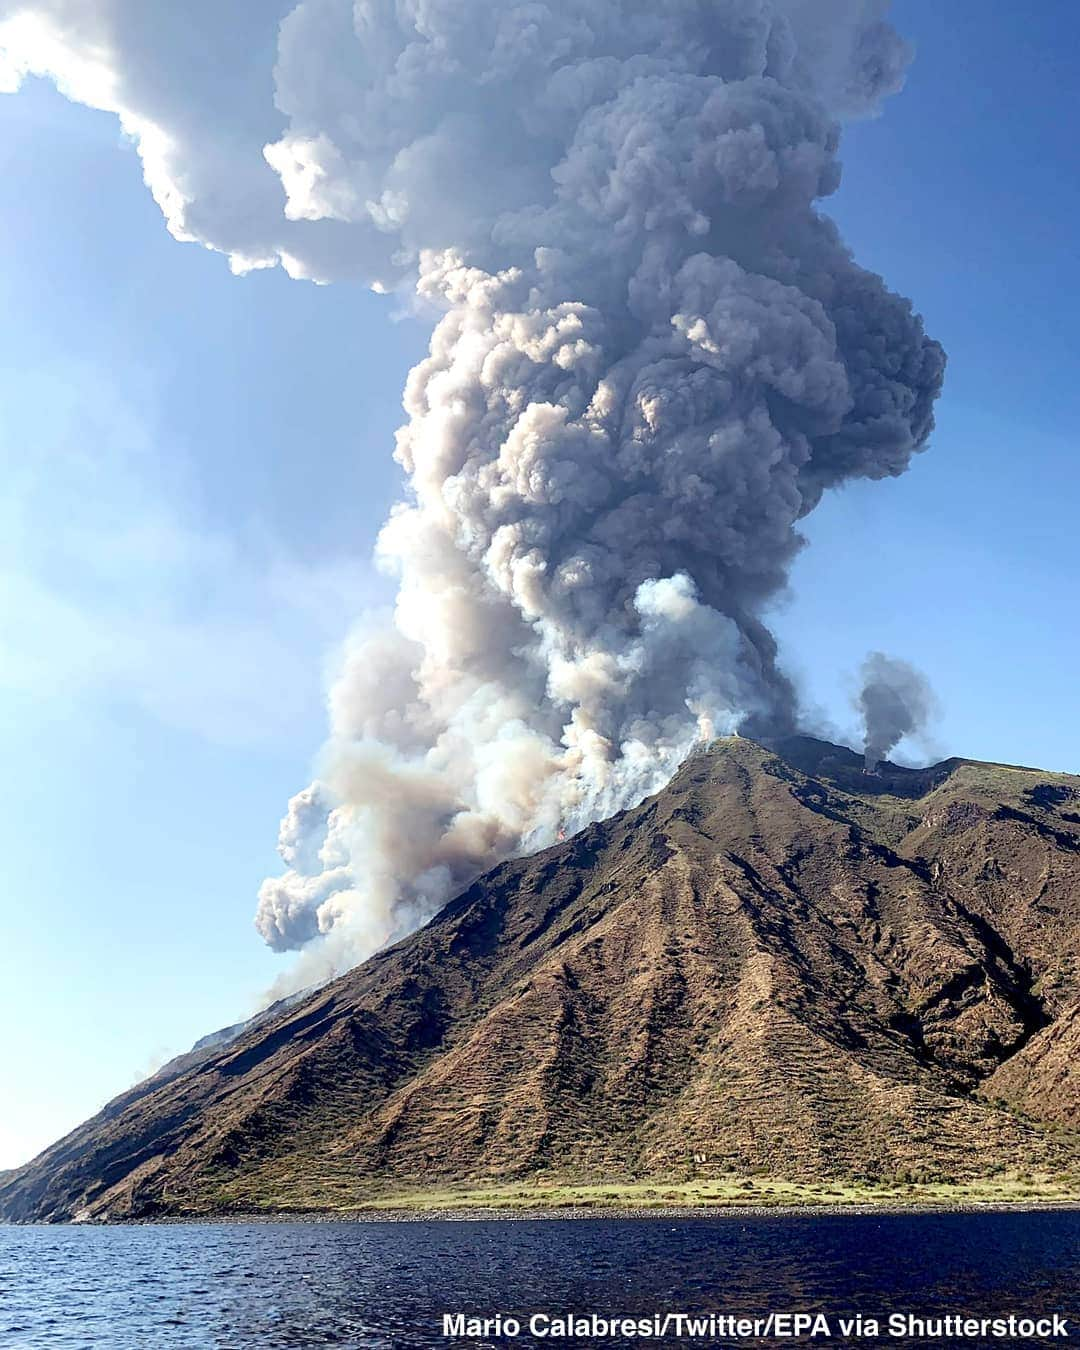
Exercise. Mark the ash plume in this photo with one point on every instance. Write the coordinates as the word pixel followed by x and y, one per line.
pixel 654 356
pixel 895 700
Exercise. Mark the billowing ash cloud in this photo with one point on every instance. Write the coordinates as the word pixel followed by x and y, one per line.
pixel 895 700
pixel 654 356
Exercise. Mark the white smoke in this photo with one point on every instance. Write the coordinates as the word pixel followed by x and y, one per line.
pixel 654 356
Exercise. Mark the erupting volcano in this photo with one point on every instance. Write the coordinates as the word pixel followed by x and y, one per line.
pixel 776 967
pixel 655 355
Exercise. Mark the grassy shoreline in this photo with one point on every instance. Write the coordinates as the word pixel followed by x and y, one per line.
pixel 734 1197
pixel 574 1213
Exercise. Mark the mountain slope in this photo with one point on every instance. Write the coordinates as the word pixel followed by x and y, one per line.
pixel 779 963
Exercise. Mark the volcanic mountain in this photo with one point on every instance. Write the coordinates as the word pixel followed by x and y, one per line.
pixel 777 965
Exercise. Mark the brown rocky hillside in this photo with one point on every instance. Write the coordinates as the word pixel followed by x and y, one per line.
pixel 779 964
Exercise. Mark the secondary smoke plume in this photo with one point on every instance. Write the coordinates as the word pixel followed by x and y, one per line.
pixel 895 700
pixel 654 356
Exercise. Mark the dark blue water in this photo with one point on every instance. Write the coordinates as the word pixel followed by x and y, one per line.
pixel 387 1284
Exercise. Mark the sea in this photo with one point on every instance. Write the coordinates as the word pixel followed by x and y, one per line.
pixel 1004 1279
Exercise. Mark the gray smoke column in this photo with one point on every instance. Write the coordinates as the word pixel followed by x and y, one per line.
pixel 654 355
pixel 895 700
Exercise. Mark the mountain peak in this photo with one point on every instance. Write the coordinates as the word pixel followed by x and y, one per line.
pixel 844 768
pixel 778 963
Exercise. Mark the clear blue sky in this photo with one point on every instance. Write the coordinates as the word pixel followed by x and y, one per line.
pixel 196 465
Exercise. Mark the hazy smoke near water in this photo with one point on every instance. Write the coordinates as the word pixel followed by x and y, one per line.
pixel 895 700
pixel 654 356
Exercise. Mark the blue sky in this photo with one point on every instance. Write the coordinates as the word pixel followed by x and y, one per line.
pixel 196 465
pixel 964 195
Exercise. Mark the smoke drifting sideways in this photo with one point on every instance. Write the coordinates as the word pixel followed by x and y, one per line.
pixel 895 701
pixel 654 356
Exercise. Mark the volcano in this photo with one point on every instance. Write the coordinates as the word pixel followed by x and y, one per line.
pixel 779 966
